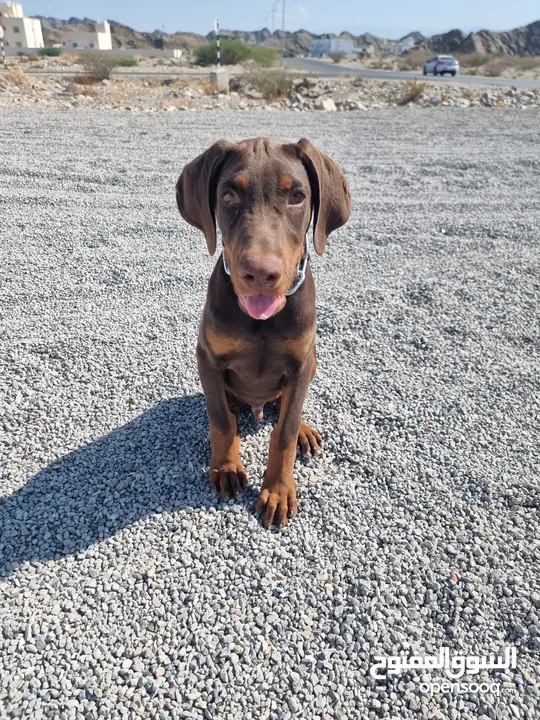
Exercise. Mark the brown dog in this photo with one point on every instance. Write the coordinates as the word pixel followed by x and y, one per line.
pixel 257 335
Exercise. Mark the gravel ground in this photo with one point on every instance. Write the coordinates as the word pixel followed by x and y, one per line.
pixel 128 590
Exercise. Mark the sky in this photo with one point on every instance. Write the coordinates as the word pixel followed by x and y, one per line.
pixel 387 18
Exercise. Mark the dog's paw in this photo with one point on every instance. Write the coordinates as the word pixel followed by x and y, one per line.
pixel 309 440
pixel 228 477
pixel 277 502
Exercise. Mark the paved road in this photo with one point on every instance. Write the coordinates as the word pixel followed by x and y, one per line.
pixel 325 69
pixel 321 67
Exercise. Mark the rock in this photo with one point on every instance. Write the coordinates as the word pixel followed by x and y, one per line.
pixel 434 101
pixel 328 105
pixel 486 99
pixel 254 95
pixel 293 704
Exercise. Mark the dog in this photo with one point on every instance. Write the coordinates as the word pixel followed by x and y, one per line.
pixel 256 341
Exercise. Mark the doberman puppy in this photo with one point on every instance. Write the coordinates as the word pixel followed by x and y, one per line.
pixel 257 336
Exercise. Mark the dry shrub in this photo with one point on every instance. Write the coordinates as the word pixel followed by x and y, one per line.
pixel 33 58
pixel 98 65
pixel 497 66
pixel 414 60
pixel 524 64
pixel 412 91
pixel 336 57
pixel 17 77
pixel 381 65
pixel 272 83
pixel 84 80
pixel 88 91
pixel 471 60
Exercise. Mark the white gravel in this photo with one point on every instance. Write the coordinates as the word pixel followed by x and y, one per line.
pixel 126 588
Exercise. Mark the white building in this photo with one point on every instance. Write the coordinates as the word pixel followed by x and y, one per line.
pixel 19 31
pixel 401 46
pixel 98 39
pixel 325 46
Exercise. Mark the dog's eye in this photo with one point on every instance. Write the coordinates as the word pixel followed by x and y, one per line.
pixel 297 197
pixel 229 197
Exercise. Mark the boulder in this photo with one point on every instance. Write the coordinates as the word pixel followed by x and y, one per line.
pixel 327 104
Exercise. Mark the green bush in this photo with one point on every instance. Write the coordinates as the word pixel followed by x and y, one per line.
pixel 263 56
pixel 233 52
pixel 49 52
pixel 128 62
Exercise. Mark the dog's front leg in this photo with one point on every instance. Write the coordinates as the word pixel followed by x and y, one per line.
pixel 227 473
pixel 278 493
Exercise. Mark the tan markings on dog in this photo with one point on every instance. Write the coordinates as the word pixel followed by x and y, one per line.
pixel 286 182
pixel 299 347
pixel 241 181
pixel 222 344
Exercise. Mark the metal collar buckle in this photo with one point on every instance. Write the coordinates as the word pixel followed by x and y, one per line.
pixel 301 272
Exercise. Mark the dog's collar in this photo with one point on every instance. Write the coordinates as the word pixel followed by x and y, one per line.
pixel 300 271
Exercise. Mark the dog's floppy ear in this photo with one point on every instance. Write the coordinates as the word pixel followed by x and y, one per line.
pixel 196 190
pixel 330 197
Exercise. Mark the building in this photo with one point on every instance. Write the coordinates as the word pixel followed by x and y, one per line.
pixel 97 39
pixel 19 31
pixel 403 45
pixel 325 46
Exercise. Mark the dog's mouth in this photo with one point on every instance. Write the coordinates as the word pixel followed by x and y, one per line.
pixel 262 307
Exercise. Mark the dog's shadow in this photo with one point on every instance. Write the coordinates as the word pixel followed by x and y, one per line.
pixel 154 464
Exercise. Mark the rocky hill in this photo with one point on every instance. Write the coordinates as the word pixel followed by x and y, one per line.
pixel 521 41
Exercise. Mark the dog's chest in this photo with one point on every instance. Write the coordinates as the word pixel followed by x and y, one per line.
pixel 255 365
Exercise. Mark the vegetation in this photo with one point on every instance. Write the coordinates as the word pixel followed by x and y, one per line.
pixel 263 56
pixel 234 52
pixel 84 80
pixel 50 52
pixel 412 91
pixel 337 57
pixel 524 64
pixel 99 66
pixel 128 62
pixel 17 77
pixel 471 60
pixel 273 83
pixel 414 60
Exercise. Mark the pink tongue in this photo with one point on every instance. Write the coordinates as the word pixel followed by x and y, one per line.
pixel 261 307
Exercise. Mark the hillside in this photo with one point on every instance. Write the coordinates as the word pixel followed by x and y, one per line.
pixel 521 41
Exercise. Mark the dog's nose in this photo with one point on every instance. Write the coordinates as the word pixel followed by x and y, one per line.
pixel 261 271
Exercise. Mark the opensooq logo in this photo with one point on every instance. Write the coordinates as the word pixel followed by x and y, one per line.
pixel 454 667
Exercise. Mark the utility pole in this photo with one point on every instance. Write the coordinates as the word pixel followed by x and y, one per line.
pixel 218 41
pixel 283 35
pixel 2 42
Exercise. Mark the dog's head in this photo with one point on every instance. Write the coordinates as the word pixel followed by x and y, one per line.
pixel 263 194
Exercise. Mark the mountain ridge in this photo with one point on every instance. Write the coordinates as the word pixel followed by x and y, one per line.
pixel 520 41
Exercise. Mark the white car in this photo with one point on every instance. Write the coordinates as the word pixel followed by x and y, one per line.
pixel 441 64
